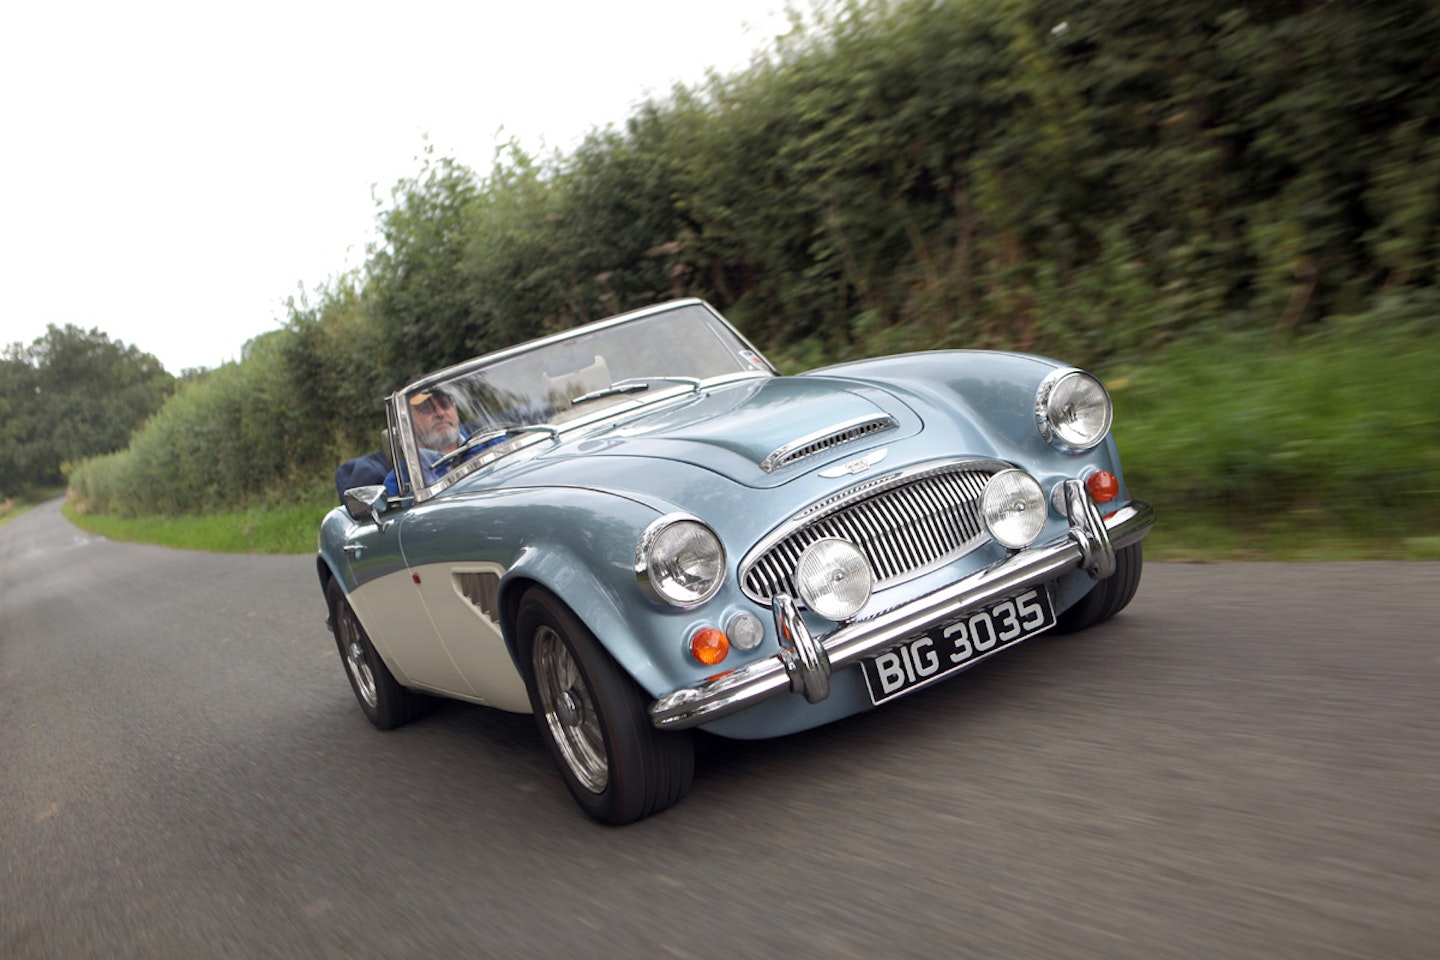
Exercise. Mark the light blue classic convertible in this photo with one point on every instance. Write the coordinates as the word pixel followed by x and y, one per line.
pixel 638 527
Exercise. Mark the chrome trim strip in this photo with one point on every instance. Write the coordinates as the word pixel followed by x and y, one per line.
pixel 475 363
pixel 840 433
pixel 797 668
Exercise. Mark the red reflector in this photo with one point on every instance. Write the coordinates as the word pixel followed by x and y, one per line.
pixel 1103 486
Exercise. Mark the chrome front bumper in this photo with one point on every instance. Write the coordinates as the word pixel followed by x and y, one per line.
pixel 805 662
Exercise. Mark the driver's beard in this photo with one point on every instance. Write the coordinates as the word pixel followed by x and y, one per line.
pixel 440 436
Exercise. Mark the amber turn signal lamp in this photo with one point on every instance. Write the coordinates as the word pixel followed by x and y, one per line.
pixel 1103 486
pixel 709 646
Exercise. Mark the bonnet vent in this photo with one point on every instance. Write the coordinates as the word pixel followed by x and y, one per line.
pixel 825 440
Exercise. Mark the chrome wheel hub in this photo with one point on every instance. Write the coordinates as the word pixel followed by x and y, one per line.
pixel 567 709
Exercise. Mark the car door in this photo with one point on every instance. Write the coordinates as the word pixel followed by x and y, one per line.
pixel 387 599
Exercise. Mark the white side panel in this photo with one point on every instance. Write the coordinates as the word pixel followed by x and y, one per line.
pixel 395 618
pixel 472 636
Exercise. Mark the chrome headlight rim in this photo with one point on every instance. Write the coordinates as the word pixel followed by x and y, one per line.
pixel 655 583
pixel 1048 420
pixel 1036 506
pixel 845 559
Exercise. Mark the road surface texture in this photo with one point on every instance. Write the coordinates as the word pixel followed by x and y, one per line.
pixel 1246 763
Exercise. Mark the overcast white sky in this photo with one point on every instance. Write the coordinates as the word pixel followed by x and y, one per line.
pixel 175 171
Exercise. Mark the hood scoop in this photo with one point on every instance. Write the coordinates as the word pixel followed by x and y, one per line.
pixel 825 440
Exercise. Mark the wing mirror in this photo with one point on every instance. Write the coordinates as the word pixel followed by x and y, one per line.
pixel 367 503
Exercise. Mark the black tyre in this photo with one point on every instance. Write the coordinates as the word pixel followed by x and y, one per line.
pixel 593 717
pixel 1109 596
pixel 385 702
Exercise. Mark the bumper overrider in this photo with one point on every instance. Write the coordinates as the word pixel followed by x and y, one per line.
pixel 805 661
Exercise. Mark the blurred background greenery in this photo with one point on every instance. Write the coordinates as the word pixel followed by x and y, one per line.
pixel 1230 211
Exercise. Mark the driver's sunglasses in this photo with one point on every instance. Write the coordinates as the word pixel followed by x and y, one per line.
pixel 436 402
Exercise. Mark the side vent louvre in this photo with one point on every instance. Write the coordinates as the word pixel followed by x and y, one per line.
pixel 483 592
pixel 825 440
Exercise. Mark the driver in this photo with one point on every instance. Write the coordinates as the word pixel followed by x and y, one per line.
pixel 437 425
pixel 437 428
pixel 435 420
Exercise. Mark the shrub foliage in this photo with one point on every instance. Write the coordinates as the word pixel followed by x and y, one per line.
pixel 1094 181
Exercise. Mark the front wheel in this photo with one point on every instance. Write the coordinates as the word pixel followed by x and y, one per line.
pixel 1109 596
pixel 592 716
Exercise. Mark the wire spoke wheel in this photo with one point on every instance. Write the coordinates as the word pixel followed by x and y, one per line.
pixel 360 673
pixel 569 711
pixel 347 632
pixel 594 718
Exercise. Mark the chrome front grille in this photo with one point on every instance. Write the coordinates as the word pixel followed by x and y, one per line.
pixel 905 525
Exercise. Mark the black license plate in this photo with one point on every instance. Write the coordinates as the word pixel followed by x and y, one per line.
pixel 945 649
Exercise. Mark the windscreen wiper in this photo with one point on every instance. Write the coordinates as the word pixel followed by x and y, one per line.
pixel 630 385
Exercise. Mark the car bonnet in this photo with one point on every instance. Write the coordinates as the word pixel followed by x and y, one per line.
pixel 760 433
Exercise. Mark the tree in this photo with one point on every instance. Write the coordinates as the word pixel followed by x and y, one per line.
pixel 71 394
pixel 419 299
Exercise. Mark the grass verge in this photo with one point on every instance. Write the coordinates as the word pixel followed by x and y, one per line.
pixel 259 529
pixel 10 509
pixel 1325 448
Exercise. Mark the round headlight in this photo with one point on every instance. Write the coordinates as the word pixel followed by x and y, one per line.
pixel 1073 410
pixel 1013 507
pixel 833 578
pixel 680 560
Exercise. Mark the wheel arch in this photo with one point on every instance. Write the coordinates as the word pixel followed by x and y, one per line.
pixel 594 600
pixel 322 569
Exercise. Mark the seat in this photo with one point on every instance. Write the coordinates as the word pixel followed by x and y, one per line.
pixel 361 472
pixel 562 386
pixel 368 470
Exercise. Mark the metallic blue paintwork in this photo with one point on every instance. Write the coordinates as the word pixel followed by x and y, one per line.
pixel 731 430
pixel 568 514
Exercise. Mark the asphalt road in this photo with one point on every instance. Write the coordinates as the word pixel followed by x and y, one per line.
pixel 1246 763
